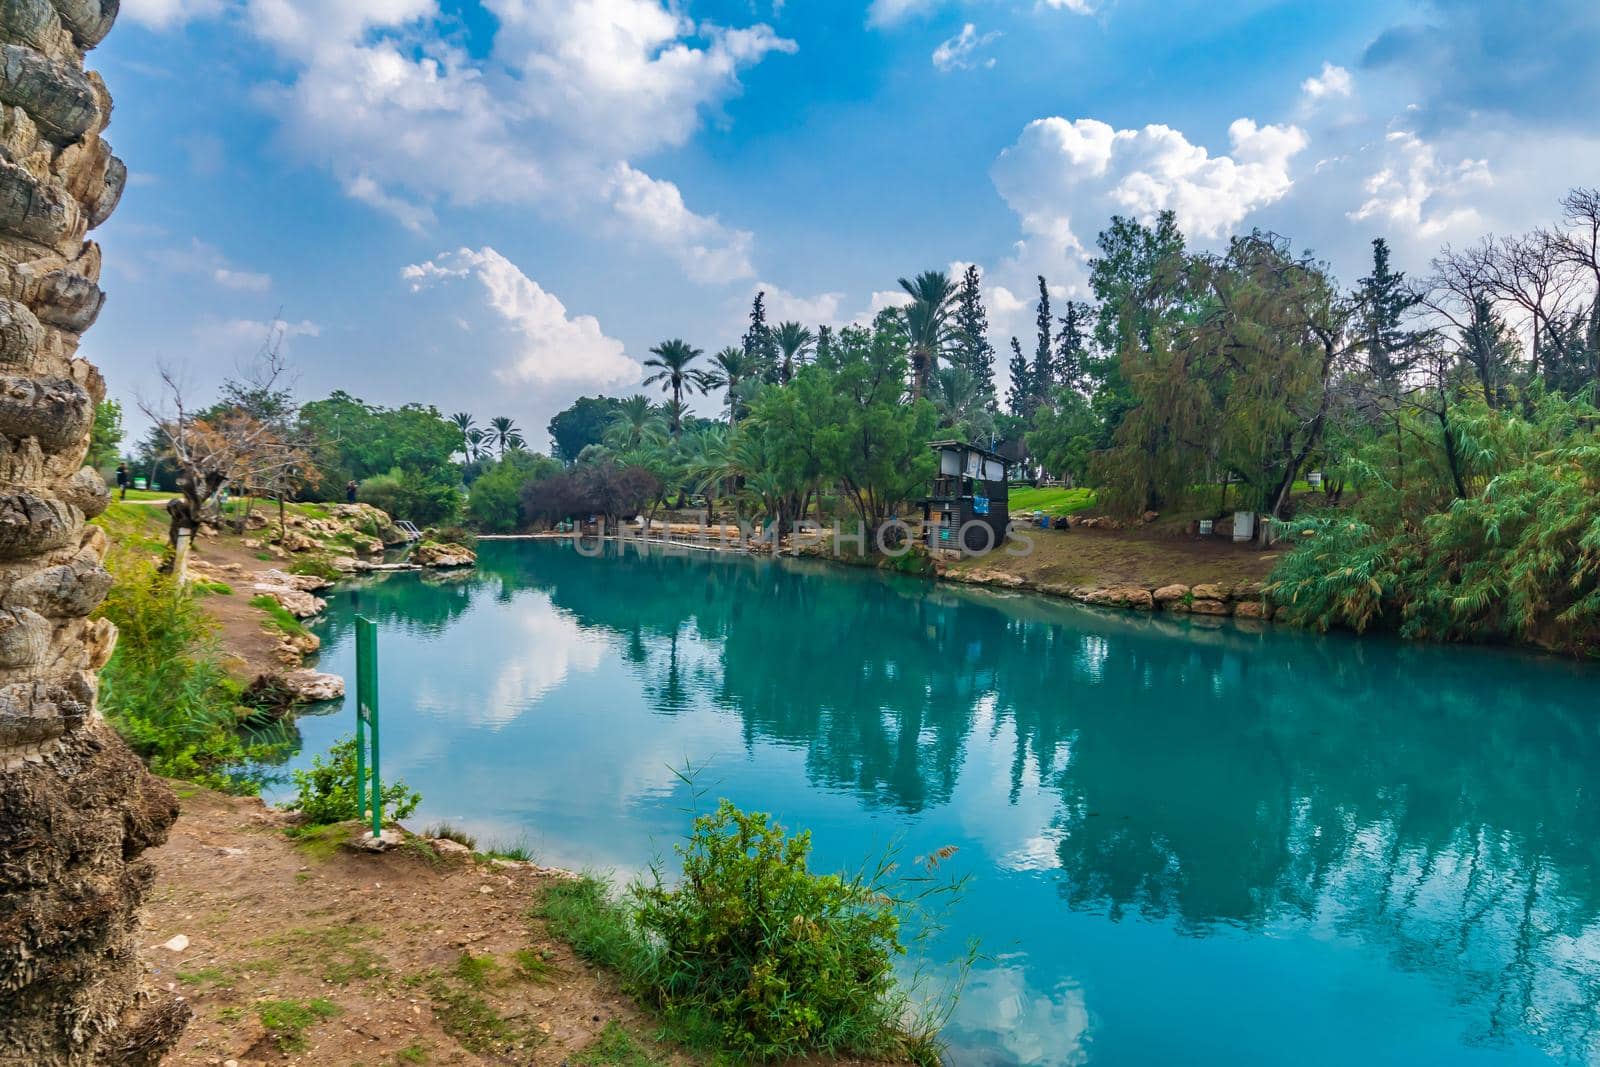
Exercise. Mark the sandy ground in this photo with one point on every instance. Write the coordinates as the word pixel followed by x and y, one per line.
pixel 365 950
pixel 1152 558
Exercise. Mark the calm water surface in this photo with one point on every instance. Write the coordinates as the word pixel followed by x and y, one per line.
pixel 1189 845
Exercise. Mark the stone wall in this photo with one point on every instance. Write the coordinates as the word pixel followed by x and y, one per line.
pixel 76 808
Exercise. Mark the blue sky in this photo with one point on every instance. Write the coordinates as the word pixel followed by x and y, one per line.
pixel 499 205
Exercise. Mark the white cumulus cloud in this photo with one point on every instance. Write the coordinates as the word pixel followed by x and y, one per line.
pixel 554 114
pixel 1061 170
pixel 1415 191
pixel 1332 82
pixel 548 347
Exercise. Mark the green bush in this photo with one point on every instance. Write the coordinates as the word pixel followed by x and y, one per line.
pixel 753 954
pixel 326 793
pixel 406 494
pixel 165 689
pixel 495 502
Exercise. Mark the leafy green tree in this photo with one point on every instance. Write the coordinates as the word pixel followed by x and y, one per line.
pixel 1064 435
pixel 927 324
pixel 351 439
pixel 1138 281
pixel 494 504
pixel 105 437
pixel 670 361
pixel 581 424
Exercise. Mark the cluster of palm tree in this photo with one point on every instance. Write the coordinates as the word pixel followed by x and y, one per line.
pixel 734 370
pixel 738 459
pixel 502 436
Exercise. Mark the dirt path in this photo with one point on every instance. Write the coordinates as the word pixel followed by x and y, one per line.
pixel 321 955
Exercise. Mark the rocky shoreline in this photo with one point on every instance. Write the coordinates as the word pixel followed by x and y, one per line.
pixel 1240 600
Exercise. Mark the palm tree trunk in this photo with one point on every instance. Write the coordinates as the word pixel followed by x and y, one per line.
pixel 76 807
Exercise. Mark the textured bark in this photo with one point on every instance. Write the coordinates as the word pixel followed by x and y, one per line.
pixel 76 807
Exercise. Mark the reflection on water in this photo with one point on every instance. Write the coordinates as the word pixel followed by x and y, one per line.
pixel 1191 844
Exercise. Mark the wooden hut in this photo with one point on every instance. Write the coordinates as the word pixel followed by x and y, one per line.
pixel 969 492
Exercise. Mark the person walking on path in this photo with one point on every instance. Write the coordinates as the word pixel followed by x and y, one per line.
pixel 350 491
pixel 122 480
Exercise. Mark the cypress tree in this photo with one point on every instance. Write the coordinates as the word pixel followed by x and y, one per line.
pixel 1384 299
pixel 973 350
pixel 1071 345
pixel 1020 397
pixel 759 344
pixel 1043 372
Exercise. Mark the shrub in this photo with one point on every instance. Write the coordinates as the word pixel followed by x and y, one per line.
pixel 751 952
pixel 405 494
pixel 326 793
pixel 495 502
pixel 165 689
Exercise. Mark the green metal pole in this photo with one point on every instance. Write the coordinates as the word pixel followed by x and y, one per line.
pixel 375 790
pixel 366 647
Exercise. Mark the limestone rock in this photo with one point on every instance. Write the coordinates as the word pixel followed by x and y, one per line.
pixel 1122 596
pixel 374 522
pixel 1212 591
pixel 1169 593
pixel 1211 607
pixel 295 541
pixel 300 604
pixel 435 554
pixel 1251 609
pixel 313 687
pixel 306 583
pixel 447 847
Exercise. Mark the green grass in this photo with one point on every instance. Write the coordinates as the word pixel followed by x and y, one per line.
pixel 288 1020
pixel 616 1047
pixel 1051 501
pixel 278 617
pixel 473 1022
pixel 416 1052
pixel 533 964
pixel 476 972
pixel 447 832
pixel 211 588
pixel 145 494
pixel 518 853
pixel 319 842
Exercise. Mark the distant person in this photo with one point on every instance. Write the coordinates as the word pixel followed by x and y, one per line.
pixel 122 480
pixel 350 488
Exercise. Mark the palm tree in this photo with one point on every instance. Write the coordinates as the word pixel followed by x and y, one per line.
pixel 463 421
pixel 476 439
pixel 504 434
pixel 637 423
pixel 927 320
pixel 794 341
pixel 732 367
pixel 670 360
pixel 961 403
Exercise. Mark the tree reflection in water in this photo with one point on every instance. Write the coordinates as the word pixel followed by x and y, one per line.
pixel 1437 804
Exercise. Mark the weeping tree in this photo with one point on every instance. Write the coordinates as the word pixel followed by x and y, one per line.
pixel 77 809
